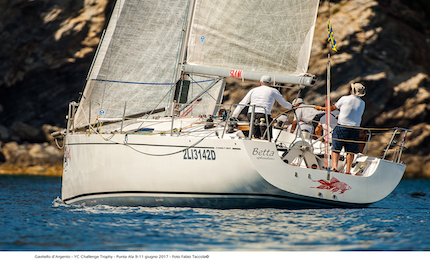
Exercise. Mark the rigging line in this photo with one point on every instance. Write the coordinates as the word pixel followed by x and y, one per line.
pixel 360 141
pixel 152 111
pixel 275 119
pixel 92 128
pixel 168 93
pixel 56 143
pixel 168 154
pixel 213 80
pixel 149 154
pixel 289 87
pixel 142 83
pixel 363 128
pixel 129 82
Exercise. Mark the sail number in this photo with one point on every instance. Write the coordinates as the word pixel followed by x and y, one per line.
pixel 236 73
pixel 199 154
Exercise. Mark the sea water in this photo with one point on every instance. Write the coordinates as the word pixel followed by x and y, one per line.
pixel 33 218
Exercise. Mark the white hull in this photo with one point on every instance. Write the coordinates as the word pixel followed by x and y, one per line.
pixel 154 170
pixel 150 128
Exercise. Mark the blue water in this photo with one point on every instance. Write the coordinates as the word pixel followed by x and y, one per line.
pixel 33 218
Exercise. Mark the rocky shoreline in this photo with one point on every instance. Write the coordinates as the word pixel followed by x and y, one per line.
pixel 44 158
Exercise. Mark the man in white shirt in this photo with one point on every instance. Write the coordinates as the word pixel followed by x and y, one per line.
pixel 263 97
pixel 321 129
pixel 307 117
pixel 351 110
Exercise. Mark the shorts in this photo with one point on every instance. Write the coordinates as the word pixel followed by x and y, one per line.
pixel 340 134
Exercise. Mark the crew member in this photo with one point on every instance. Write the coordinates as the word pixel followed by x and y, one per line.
pixel 263 97
pixel 351 109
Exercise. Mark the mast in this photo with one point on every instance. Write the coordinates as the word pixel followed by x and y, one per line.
pixel 183 47
pixel 327 100
pixel 182 52
pixel 332 43
pixel 327 116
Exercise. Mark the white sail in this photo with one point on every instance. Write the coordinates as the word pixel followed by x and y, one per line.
pixel 137 60
pixel 271 36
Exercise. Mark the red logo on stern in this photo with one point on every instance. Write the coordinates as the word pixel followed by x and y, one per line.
pixel 334 185
pixel 236 73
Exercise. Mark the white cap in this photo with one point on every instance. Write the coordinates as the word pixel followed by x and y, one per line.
pixel 266 80
pixel 358 89
pixel 283 118
pixel 297 101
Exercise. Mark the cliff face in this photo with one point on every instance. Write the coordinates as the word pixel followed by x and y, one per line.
pixel 48 46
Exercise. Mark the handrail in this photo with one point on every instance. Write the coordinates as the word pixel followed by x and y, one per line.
pixel 251 121
pixel 70 125
pixel 374 142
pixel 393 142
pixel 368 140
pixel 370 135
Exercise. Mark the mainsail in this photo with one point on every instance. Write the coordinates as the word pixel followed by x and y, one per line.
pixel 252 36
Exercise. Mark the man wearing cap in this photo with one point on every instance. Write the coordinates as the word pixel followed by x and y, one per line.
pixel 263 97
pixel 351 108
pixel 307 117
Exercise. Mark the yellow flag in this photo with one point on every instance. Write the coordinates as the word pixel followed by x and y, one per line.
pixel 331 37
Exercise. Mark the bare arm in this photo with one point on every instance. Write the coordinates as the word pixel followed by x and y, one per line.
pixel 322 108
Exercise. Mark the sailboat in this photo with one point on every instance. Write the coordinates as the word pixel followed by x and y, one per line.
pixel 150 128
